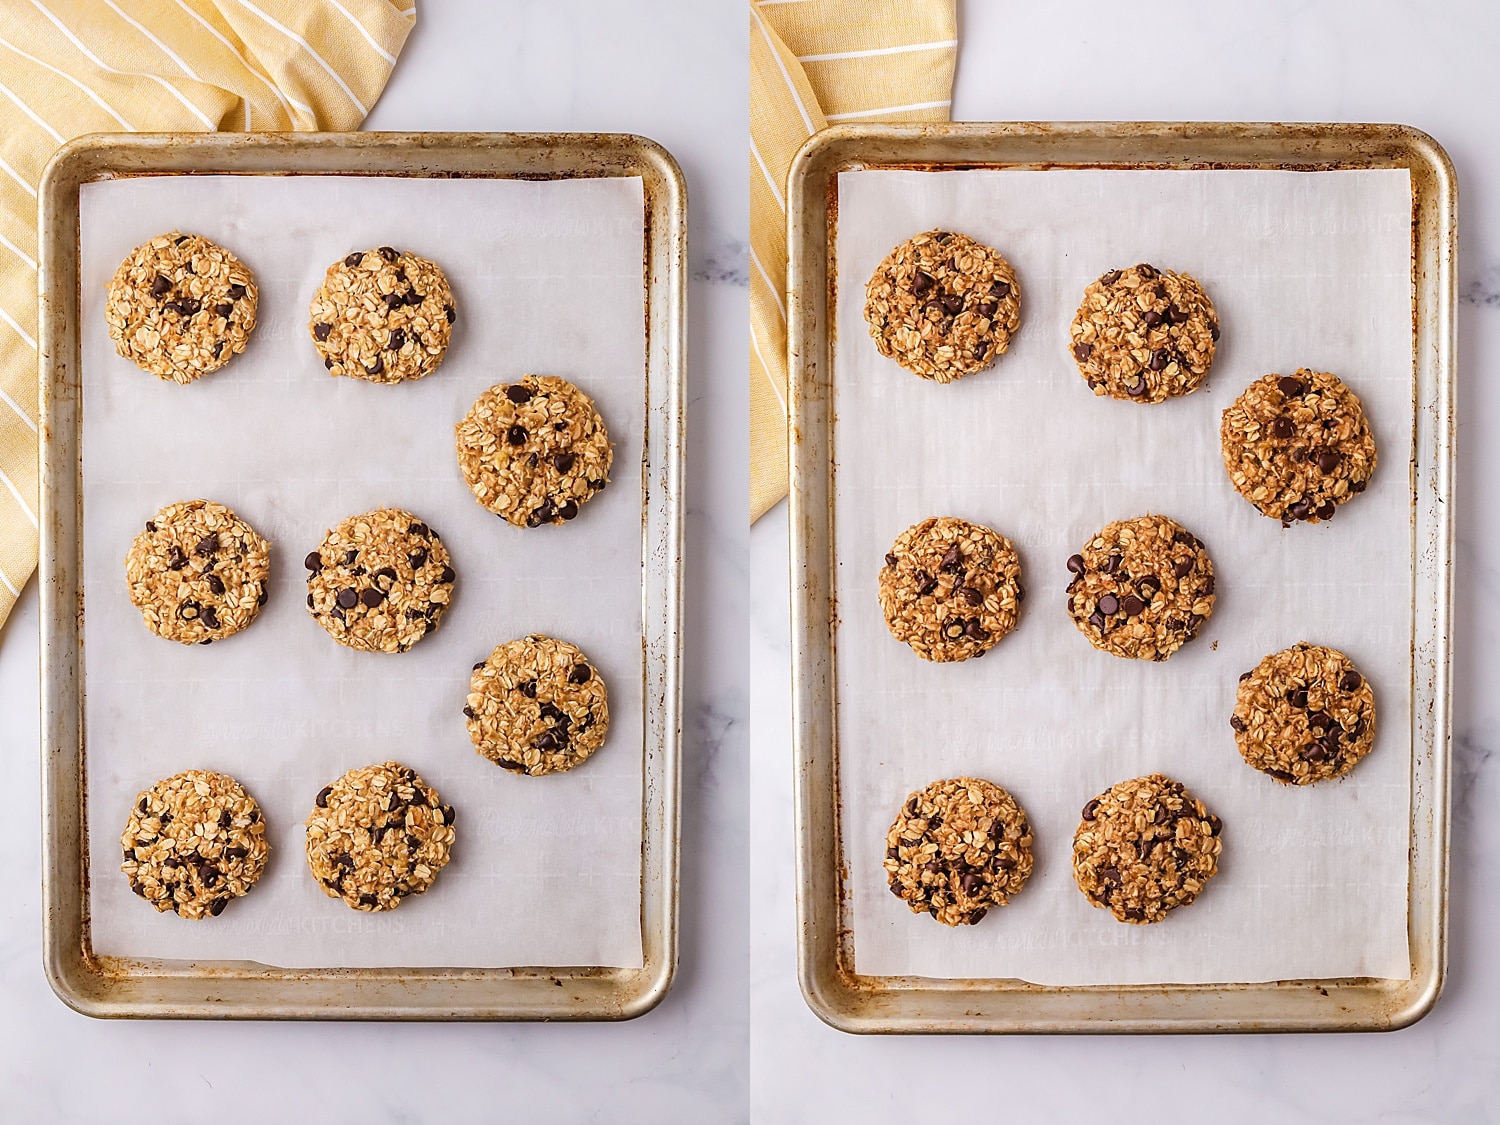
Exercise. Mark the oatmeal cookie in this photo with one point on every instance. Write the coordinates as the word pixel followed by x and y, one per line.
pixel 958 849
pixel 193 842
pixel 942 305
pixel 197 573
pixel 382 315
pixel 1144 847
pixel 1144 334
pixel 534 451
pixel 950 589
pixel 180 306
pixel 1304 714
pixel 1297 446
pixel 378 834
pixel 537 706
pixel 1141 588
pixel 379 582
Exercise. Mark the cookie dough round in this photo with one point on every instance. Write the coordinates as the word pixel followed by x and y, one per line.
pixel 379 582
pixel 180 306
pixel 537 706
pixel 1305 714
pixel 197 573
pixel 534 451
pixel 942 305
pixel 1141 588
pixel 958 849
pixel 193 842
pixel 950 589
pixel 1144 334
pixel 1145 846
pixel 378 834
pixel 1298 446
pixel 382 315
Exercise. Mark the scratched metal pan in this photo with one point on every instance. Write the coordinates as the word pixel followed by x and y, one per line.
pixel 864 1003
pixel 116 987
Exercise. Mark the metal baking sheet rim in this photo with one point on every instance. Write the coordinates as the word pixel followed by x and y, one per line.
pixel 866 1004
pixel 126 988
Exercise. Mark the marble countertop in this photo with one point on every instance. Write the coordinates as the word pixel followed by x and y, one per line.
pixel 1279 60
pixel 674 71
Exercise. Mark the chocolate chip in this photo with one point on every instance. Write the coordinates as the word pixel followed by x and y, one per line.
pixel 1108 604
pixel 207 545
pixel 215 583
pixel 189 611
pixel 971 595
pixel 1148 586
pixel 223 310
pixel 1326 511
pixel 1328 460
pixel 1000 290
pixel 371 597
pixel 953 304
pixel 1350 681
pixel 414 298
pixel 189 305
pixel 952 559
pixel 1134 913
pixel 1136 389
pixel 1215 825
pixel 209 616
pixel 355 258
pixel 1176 315
pixel 976 632
pixel 322 799
pixel 920 283
pixel 1093 806
pixel 925 584
pixel 328 363
pixel 417 558
pixel 389 253
pixel 348 598
pixel 890 559
pixel 449 313
pixel 1237 723
pixel 320 331
pixel 1152 318
pixel 1213 330
pixel 1282 427
pixel 517 393
pixel 1289 386
pixel 1358 485
pixel 563 462
pixel 1081 352
pixel 1110 278
pixel 447 575
pixel 1300 510
pixel 375 368
pixel 1132 605
pixel 1159 359
pixel 1096 619
pixel 160 286
pixel 397 338
pixel 1146 271
pixel 516 435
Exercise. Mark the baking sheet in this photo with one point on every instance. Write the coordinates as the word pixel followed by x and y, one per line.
pixel 548 279
pixel 1306 269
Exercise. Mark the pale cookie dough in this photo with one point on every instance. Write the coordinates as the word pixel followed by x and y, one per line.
pixel 383 316
pixel 378 834
pixel 1141 588
pixel 1297 446
pixel 1144 334
pixel 1304 714
pixel 942 305
pixel 537 706
pixel 1145 846
pixel 197 573
pixel 950 589
pixel 379 582
pixel 958 849
pixel 180 306
pixel 534 451
pixel 193 842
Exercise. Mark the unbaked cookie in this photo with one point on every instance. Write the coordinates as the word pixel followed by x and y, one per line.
pixel 1304 714
pixel 382 315
pixel 1141 588
pixel 1144 334
pixel 379 582
pixel 537 706
pixel 1297 446
pixel 198 572
pixel 180 306
pixel 193 842
pixel 958 849
pixel 942 305
pixel 1145 846
pixel 534 451
pixel 950 589
pixel 378 834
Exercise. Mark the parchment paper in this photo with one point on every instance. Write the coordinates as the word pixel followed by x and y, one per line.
pixel 1306 269
pixel 548 279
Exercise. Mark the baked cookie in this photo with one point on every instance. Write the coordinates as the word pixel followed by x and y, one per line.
pixel 537 706
pixel 193 842
pixel 382 315
pixel 379 582
pixel 197 573
pixel 950 589
pixel 378 834
pixel 942 305
pixel 1144 334
pixel 534 451
pixel 958 849
pixel 1141 588
pixel 1297 446
pixel 1304 714
pixel 1145 846
pixel 180 306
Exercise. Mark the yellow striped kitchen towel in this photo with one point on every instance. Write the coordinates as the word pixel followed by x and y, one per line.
pixel 69 67
pixel 814 63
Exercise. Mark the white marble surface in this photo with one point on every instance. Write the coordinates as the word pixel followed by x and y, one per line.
pixel 1427 65
pixel 673 70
